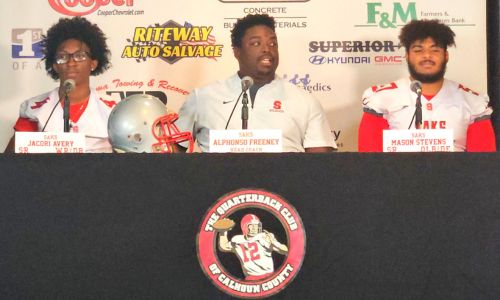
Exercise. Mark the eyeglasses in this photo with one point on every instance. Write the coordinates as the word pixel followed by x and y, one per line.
pixel 63 57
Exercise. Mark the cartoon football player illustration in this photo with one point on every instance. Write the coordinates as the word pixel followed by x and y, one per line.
pixel 254 247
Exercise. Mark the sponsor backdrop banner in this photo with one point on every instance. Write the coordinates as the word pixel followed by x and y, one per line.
pixel 334 49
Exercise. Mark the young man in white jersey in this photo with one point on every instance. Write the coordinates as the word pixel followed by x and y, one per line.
pixel 445 104
pixel 254 248
pixel 74 49
pixel 274 102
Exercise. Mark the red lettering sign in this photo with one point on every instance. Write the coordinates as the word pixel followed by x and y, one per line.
pixel 84 7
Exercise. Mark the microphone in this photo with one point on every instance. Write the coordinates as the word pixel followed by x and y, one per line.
pixel 416 87
pixel 246 83
pixel 68 86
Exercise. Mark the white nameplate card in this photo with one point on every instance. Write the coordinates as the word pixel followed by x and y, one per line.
pixel 418 140
pixel 246 141
pixel 50 142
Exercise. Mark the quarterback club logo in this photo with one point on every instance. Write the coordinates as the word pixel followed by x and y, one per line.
pixel 251 243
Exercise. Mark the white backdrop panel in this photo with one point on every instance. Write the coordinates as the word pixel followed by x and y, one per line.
pixel 336 75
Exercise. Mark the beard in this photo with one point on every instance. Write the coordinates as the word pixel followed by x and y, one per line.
pixel 427 78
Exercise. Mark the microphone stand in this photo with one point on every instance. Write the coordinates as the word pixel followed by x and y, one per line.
pixel 234 107
pixel 246 83
pixel 418 112
pixel 244 111
pixel 66 112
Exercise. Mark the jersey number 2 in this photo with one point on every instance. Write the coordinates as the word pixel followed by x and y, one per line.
pixel 250 253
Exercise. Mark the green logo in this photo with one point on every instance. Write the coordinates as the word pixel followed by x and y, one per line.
pixel 380 16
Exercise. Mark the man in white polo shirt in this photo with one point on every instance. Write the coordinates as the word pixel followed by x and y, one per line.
pixel 274 102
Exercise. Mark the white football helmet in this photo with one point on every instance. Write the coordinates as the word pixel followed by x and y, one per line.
pixel 141 123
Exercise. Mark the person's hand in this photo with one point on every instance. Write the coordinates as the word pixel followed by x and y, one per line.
pixel 269 237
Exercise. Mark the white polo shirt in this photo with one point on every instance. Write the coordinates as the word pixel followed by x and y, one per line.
pixel 277 105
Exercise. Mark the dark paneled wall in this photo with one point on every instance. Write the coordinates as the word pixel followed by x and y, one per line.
pixel 378 226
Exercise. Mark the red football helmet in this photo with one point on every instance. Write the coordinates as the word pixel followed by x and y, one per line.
pixel 246 221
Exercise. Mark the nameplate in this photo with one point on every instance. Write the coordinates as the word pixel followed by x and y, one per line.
pixel 418 140
pixel 246 141
pixel 50 142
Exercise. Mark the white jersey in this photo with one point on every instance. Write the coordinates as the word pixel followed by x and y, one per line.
pixel 93 122
pixel 453 107
pixel 277 105
pixel 255 254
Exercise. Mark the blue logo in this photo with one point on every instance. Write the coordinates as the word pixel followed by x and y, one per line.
pixel 26 43
pixel 305 82
pixel 317 59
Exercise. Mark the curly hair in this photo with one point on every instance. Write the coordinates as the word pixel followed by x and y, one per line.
pixel 80 29
pixel 421 29
pixel 249 21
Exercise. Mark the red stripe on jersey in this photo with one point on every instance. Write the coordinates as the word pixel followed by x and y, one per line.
pixel 25 124
pixel 390 86
pixel 370 134
pixel 460 86
pixel 109 103
pixel 40 103
pixel 481 137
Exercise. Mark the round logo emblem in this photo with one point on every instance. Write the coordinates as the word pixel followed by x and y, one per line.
pixel 251 243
